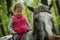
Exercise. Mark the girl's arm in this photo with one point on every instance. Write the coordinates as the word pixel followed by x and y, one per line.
pixel 10 26
pixel 30 27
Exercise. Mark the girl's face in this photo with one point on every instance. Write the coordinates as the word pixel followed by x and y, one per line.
pixel 18 11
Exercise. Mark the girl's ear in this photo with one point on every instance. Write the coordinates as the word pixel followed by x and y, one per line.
pixel 30 8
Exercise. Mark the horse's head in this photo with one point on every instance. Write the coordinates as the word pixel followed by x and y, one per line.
pixel 38 9
pixel 36 12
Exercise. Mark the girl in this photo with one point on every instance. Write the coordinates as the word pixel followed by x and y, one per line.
pixel 18 24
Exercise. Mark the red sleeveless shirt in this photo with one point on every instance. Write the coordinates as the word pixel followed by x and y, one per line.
pixel 19 23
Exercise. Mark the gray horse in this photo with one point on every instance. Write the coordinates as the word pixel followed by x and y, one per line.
pixel 42 23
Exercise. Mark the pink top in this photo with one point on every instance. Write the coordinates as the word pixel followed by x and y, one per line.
pixel 19 23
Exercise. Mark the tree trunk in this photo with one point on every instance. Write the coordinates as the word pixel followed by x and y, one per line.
pixel 9 3
pixel 2 29
pixel 45 2
pixel 58 7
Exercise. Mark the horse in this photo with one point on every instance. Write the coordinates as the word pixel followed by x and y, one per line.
pixel 39 19
pixel 8 37
pixel 43 23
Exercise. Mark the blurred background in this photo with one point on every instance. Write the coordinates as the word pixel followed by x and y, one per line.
pixel 6 12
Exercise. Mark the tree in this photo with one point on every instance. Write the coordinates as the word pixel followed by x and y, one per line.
pixel 58 7
pixel 1 26
pixel 9 4
pixel 45 2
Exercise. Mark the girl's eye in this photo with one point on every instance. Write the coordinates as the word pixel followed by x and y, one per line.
pixel 19 11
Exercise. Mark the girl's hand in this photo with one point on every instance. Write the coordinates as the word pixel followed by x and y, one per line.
pixel 29 29
pixel 14 32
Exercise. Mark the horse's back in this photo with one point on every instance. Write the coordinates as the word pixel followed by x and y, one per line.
pixel 6 37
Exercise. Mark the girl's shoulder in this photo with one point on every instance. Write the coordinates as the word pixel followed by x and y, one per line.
pixel 12 16
pixel 24 17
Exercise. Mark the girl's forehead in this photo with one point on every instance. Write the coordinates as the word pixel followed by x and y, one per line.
pixel 19 8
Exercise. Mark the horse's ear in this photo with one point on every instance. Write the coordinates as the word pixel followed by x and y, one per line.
pixel 30 8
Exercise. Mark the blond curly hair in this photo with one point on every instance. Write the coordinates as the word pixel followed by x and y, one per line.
pixel 17 5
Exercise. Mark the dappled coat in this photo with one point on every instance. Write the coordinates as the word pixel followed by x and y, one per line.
pixel 43 24
pixel 42 20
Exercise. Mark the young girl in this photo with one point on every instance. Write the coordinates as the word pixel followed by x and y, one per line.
pixel 18 24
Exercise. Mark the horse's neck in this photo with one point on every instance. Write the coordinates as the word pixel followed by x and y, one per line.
pixel 46 17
